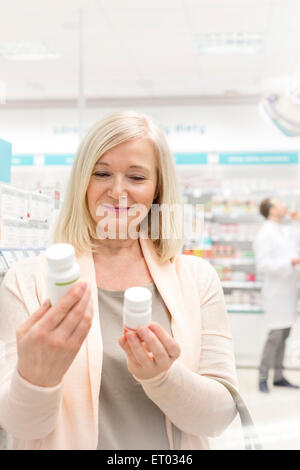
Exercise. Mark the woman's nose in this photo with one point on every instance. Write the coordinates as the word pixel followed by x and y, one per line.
pixel 117 189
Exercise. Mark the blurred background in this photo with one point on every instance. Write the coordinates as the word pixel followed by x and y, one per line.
pixel 221 78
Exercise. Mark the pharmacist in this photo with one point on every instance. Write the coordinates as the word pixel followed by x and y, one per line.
pixel 71 379
pixel 276 249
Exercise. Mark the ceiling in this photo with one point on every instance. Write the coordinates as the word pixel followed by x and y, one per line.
pixel 147 49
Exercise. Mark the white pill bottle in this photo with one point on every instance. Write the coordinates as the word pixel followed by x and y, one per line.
pixel 137 308
pixel 63 270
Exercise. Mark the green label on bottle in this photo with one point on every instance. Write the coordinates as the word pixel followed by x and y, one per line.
pixel 66 283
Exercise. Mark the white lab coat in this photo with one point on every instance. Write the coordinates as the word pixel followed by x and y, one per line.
pixel 274 247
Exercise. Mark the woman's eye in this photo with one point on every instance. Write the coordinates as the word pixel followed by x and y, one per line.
pixel 137 178
pixel 101 175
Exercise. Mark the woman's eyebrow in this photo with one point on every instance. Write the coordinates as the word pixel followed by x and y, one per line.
pixel 131 166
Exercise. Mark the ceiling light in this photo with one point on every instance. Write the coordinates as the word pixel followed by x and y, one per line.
pixel 26 50
pixel 229 43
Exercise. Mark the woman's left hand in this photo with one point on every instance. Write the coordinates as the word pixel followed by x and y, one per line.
pixel 150 351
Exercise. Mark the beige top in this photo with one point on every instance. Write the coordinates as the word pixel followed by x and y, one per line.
pixel 128 419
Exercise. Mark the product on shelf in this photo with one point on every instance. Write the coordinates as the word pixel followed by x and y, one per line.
pixel 26 217
pixel 244 298
pixel 19 233
pixel 224 272
pixel 223 251
pixel 39 206
pixel 234 208
pixel 13 201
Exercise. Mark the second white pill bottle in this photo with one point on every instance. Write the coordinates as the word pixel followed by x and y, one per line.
pixel 63 270
pixel 137 308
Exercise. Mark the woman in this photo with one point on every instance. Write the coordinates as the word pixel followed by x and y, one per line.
pixel 69 378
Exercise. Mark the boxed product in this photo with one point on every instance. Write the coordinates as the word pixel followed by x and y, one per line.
pixel 22 234
pixel 8 232
pixel 40 207
pixel 13 201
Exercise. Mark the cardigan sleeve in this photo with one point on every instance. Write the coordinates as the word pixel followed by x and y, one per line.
pixel 192 400
pixel 26 411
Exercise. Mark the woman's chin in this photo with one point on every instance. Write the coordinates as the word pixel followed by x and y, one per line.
pixel 118 231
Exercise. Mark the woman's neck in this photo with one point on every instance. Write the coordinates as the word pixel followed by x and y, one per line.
pixel 117 248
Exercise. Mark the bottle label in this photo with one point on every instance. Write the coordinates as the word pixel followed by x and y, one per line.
pixel 66 283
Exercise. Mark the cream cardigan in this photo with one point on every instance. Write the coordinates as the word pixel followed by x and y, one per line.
pixel 66 416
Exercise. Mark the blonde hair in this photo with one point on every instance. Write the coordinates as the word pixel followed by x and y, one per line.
pixel 75 224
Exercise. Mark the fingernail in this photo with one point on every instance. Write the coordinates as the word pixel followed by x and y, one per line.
pixel 46 303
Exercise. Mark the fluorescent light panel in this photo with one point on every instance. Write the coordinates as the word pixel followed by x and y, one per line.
pixel 26 50
pixel 230 43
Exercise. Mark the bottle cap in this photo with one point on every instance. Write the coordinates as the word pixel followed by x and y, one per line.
pixel 137 307
pixel 60 256
pixel 137 299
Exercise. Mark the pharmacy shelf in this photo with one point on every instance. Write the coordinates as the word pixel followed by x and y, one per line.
pixel 235 224
pixel 244 285
pixel 231 240
pixel 244 308
pixel 241 285
pixel 11 255
pixel 233 261
pixel 238 218
pixel 17 248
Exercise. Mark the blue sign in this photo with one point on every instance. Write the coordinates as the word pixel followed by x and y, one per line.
pixel 190 158
pixel 259 158
pixel 22 160
pixel 65 159
pixel 5 161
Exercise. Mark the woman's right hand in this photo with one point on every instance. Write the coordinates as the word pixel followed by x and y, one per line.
pixel 50 339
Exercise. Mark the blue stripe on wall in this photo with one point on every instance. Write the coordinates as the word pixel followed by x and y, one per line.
pixel 190 158
pixel 5 161
pixel 22 160
pixel 181 158
pixel 259 158
pixel 65 159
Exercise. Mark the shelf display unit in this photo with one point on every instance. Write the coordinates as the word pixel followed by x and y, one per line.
pixel 9 256
pixel 26 219
pixel 225 223
pixel 228 229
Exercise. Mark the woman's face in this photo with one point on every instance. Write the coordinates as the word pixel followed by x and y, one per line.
pixel 122 188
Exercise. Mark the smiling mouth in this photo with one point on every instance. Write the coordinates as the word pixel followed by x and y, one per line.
pixel 116 208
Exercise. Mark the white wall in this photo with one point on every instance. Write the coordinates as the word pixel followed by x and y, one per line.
pixel 216 128
pixel 212 128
